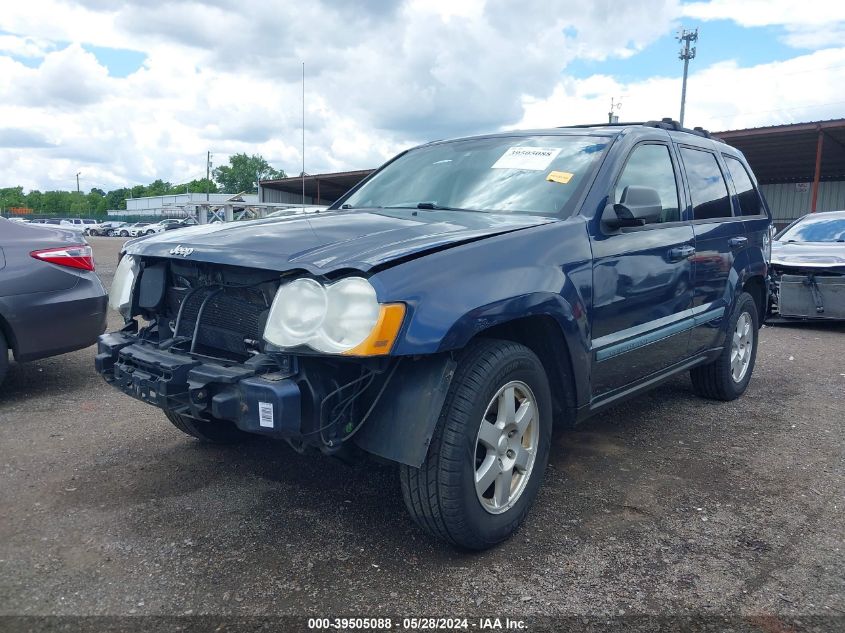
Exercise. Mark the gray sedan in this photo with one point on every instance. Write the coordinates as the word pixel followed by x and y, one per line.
pixel 51 300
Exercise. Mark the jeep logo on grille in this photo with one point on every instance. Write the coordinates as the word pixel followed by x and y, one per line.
pixel 181 250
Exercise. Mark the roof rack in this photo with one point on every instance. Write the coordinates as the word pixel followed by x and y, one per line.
pixel 667 123
pixel 606 124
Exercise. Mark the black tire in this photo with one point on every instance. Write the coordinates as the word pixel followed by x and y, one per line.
pixel 217 432
pixel 716 380
pixel 4 357
pixel 124 234
pixel 441 494
pixel 150 232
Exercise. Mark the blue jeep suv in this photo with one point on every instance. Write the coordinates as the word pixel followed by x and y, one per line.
pixel 453 306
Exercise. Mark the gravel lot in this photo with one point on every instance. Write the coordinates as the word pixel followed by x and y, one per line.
pixel 666 505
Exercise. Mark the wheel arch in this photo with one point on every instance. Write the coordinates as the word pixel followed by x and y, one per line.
pixel 756 287
pixel 542 334
pixel 8 334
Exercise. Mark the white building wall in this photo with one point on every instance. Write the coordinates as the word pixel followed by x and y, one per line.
pixel 155 205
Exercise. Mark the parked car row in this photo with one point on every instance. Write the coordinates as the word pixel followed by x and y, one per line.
pixel 110 228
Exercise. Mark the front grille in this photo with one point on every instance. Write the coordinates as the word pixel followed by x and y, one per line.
pixel 231 321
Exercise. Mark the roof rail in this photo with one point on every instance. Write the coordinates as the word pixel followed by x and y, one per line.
pixel 667 123
pixel 605 124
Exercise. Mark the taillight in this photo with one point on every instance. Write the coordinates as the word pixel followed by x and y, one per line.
pixel 77 256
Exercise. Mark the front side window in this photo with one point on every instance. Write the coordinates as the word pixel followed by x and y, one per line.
pixel 708 189
pixel 746 193
pixel 534 174
pixel 651 166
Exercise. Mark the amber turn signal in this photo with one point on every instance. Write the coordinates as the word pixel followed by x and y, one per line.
pixel 380 341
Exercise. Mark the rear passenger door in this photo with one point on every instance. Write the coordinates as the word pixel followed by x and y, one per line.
pixel 719 238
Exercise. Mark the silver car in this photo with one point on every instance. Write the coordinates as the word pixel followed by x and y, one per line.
pixel 808 268
pixel 51 300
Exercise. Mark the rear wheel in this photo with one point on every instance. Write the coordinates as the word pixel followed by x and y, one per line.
pixel 4 357
pixel 728 376
pixel 490 448
pixel 150 232
pixel 216 432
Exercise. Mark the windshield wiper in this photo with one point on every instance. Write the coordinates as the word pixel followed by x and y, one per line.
pixel 430 206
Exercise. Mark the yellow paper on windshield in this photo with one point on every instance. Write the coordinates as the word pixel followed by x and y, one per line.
pixel 562 177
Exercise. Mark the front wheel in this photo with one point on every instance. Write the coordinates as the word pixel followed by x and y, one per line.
pixel 486 460
pixel 728 376
pixel 124 234
pixel 150 232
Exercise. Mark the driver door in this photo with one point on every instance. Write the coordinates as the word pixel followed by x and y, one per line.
pixel 642 290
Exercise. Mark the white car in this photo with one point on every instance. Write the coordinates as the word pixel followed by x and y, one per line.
pixel 134 230
pixel 160 227
pixel 19 220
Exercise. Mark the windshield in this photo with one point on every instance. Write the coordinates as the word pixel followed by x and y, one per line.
pixel 815 229
pixel 534 174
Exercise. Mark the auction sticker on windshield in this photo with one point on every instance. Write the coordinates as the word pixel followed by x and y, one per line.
pixel 532 158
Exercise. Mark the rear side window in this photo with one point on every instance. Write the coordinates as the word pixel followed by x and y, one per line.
pixel 651 166
pixel 708 189
pixel 749 199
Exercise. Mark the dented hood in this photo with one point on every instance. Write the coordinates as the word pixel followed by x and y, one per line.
pixel 822 255
pixel 323 242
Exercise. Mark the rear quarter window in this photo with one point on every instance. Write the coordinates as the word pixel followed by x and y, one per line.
pixel 746 192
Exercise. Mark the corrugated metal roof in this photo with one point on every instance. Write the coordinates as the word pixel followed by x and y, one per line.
pixel 330 186
pixel 787 153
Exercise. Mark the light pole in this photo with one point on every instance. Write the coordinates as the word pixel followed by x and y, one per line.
pixel 686 54
pixel 77 181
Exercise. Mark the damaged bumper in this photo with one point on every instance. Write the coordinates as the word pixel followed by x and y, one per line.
pixel 287 402
pixel 270 403
pixel 816 294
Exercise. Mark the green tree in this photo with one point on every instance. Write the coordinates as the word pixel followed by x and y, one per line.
pixel 239 175
pixel 98 191
pixel 34 200
pixel 116 199
pixel 196 186
pixel 55 202
pixel 11 197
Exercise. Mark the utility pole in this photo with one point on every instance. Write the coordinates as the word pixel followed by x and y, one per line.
pixel 303 134
pixel 686 54
pixel 207 176
pixel 77 182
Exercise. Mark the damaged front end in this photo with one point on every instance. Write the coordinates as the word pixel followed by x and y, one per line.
pixel 807 290
pixel 196 344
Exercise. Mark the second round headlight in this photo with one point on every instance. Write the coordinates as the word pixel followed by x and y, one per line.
pixel 330 319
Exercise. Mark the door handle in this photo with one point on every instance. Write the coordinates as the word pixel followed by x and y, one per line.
pixel 738 242
pixel 681 252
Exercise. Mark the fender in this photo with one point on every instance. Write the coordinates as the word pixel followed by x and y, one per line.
pixel 454 294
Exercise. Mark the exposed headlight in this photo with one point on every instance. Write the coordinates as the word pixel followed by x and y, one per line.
pixel 120 294
pixel 341 318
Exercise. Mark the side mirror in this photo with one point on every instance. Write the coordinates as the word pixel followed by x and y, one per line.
pixel 639 206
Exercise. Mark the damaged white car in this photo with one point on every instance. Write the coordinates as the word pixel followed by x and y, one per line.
pixel 808 268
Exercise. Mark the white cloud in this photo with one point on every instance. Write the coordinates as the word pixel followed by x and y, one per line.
pixel 721 97
pixel 811 24
pixel 381 75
